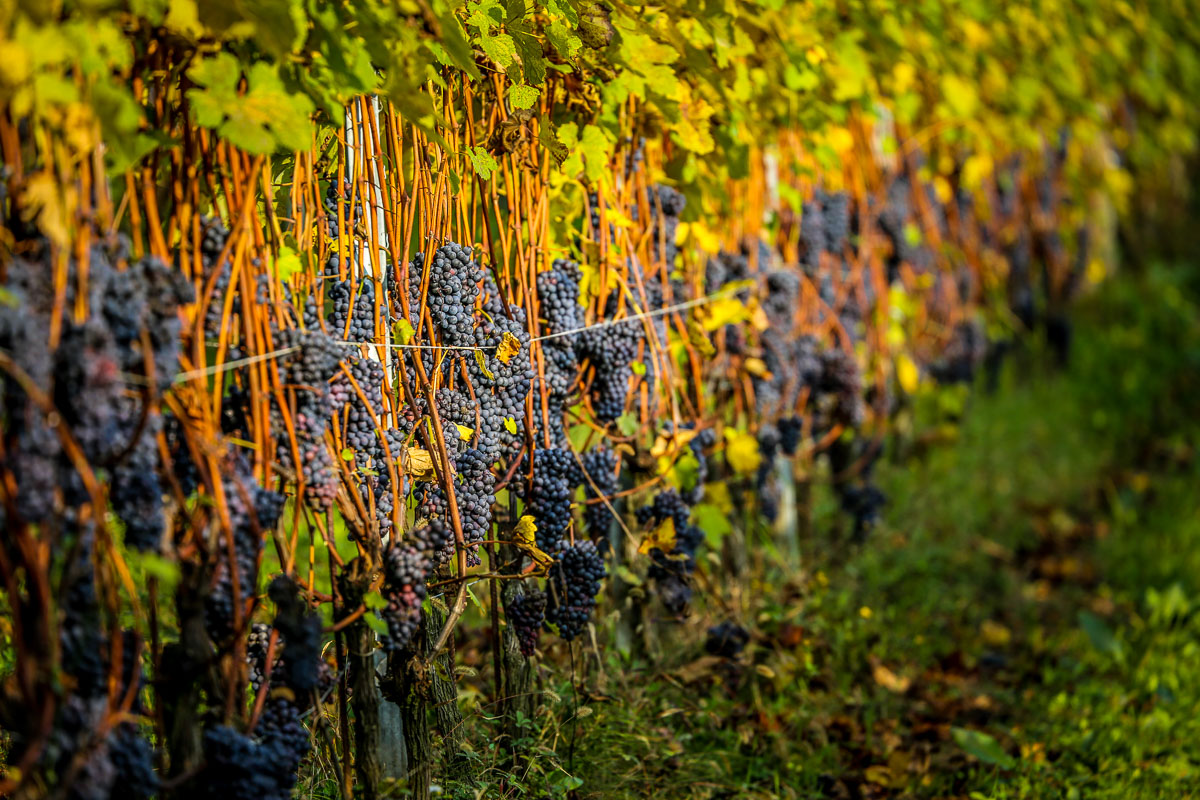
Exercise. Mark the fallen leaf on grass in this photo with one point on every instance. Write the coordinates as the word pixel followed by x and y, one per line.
pixel 890 680
pixel 982 746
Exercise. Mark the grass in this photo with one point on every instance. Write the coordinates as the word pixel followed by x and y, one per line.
pixel 1024 624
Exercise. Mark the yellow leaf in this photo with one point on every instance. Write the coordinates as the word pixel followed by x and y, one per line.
pixel 509 346
pixel 995 634
pixel 465 433
pixel 661 538
pixel 615 218
pixel 907 374
pixel 45 201
pixel 726 311
pixel 976 169
pixel 741 451
pixel 878 774
pixel 757 367
pixel 758 318
pixel 525 536
pixel 890 680
pixel 960 95
pixel 705 239
pixel 420 463
pixel 15 64
pixel 840 139
pixel 699 340
pixel 943 189
pixel 903 75
pixel 481 361
pixel 671 442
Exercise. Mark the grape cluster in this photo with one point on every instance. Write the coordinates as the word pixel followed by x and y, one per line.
pixel 835 208
pixel 813 235
pixel 555 476
pixel 725 268
pixel 574 582
pixel 251 510
pixel 962 356
pixel 527 613
pixel 612 350
pixel 501 394
pixel 355 315
pixel 474 492
pixel 600 465
pixel 405 572
pixel 239 766
pixel 558 297
pixel 122 763
pixel 726 639
pixel 453 285
pixel 670 571
pixel 841 386
pixel 864 504
pixel 130 334
pixel 672 202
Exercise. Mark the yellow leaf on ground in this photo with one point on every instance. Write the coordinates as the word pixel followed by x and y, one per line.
pixel 995 634
pixel 878 774
pixel 890 680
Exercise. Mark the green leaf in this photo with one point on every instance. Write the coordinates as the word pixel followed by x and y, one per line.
pixel 376 624
pixel 628 575
pixel 499 48
pixel 520 27
pixel 403 331
pixel 549 140
pixel 287 264
pixel 714 522
pixel 482 161
pixel 266 116
pixel 563 39
pixel 1101 636
pixel 628 424
pixel 594 146
pixel 454 40
pixel 638 367
pixel 347 454
pixel 522 96
pixel 375 601
pixel 982 746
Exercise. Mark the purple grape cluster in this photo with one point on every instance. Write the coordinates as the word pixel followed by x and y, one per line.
pixel 526 613
pixel 573 584
pixel 671 571
pixel 600 465
pixel 452 287
pixel 555 476
pixel 405 572
pixel 558 297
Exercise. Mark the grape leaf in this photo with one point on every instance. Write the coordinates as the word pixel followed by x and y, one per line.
pixel 522 96
pixel 482 161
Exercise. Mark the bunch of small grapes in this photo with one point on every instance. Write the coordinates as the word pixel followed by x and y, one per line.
pixel 574 582
pixel 527 613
